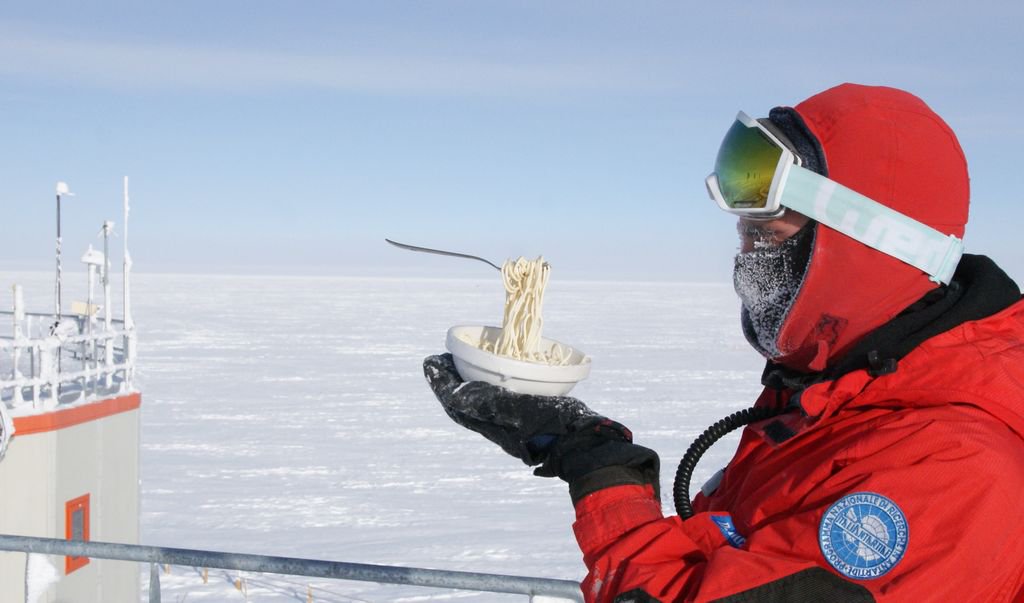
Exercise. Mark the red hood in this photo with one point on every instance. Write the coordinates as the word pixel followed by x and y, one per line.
pixel 888 145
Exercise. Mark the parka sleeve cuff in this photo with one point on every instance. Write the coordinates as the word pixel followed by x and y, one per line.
pixel 607 514
pixel 608 477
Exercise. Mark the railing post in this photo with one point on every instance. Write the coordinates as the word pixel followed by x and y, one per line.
pixel 33 355
pixel 86 368
pixel 46 374
pixel 18 399
pixel 19 315
pixel 154 583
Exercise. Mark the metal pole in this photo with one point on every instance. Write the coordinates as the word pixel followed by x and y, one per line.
pixel 154 583
pixel 89 346
pixel 19 316
pixel 57 304
pixel 129 323
pixel 107 226
pixel 56 321
pixel 108 343
pixel 90 294
pixel 127 266
pixel 338 570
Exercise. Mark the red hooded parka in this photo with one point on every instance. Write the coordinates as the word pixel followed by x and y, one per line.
pixel 903 483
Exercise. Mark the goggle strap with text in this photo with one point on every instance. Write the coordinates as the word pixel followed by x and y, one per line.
pixel 873 224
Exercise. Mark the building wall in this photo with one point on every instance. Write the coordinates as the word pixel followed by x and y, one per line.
pixel 26 498
pixel 98 457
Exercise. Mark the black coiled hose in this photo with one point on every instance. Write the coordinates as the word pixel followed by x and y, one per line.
pixel 681 487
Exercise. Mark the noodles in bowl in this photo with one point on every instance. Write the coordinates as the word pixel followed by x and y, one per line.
pixel 517 356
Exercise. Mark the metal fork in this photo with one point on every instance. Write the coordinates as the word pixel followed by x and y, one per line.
pixel 441 252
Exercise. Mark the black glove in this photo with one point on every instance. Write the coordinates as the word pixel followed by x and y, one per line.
pixel 524 425
pixel 563 435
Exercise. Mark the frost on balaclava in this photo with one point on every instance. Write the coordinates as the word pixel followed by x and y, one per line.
pixel 767 281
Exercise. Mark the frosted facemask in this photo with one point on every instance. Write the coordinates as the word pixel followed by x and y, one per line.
pixel 767 281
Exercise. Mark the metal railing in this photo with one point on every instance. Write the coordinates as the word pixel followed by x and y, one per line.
pixel 536 588
pixel 89 358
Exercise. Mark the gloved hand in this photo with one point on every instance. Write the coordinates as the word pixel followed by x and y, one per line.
pixel 562 434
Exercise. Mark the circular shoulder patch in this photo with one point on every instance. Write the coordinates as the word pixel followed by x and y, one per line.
pixel 863 535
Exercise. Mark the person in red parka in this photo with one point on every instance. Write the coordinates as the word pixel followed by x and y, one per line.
pixel 884 460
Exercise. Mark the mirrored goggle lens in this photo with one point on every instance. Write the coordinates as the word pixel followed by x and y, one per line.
pixel 745 167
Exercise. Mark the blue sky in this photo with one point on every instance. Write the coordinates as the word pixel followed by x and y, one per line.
pixel 292 137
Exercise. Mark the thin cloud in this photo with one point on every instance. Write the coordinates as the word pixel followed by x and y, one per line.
pixel 44 56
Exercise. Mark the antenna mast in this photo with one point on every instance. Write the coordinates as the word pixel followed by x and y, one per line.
pixel 62 189
pixel 129 323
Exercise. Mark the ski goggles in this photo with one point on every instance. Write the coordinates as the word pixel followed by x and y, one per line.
pixel 750 170
pixel 758 177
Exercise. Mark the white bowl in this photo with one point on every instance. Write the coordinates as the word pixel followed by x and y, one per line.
pixel 519 376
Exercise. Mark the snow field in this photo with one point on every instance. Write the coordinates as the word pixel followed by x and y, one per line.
pixel 289 416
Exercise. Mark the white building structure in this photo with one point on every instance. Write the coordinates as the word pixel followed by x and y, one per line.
pixel 69 434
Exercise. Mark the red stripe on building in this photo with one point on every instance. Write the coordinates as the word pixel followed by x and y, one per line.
pixel 59 419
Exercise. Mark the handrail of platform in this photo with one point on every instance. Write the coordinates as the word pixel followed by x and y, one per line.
pixel 385 574
pixel 35 366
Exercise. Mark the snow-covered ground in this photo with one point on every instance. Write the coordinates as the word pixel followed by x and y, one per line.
pixel 289 416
